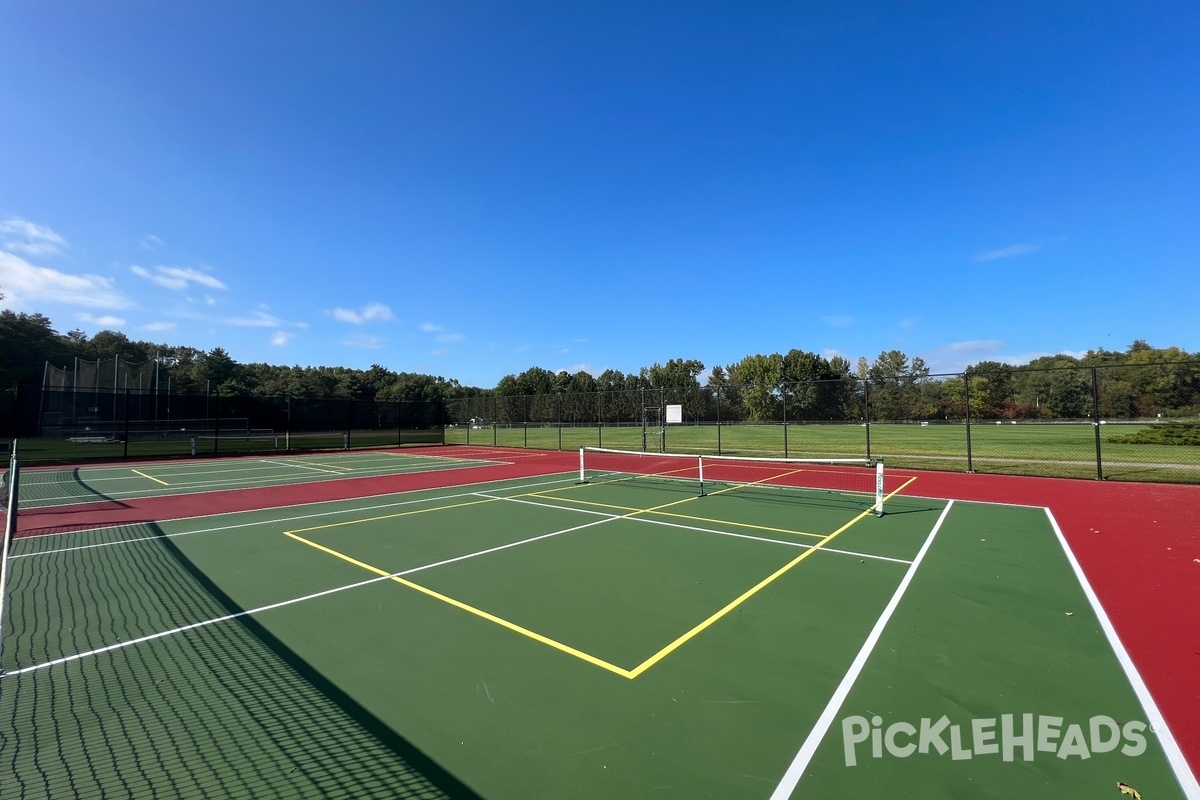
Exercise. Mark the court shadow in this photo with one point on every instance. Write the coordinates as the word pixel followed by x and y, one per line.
pixel 61 491
pixel 223 710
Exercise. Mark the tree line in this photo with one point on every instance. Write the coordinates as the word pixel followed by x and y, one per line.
pixel 28 342
pixel 1140 381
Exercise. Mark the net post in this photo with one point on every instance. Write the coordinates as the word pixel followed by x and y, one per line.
pixel 582 476
pixel 700 463
pixel 879 488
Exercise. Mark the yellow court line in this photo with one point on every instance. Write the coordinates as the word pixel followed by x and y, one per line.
pixel 565 648
pixel 399 514
pixel 512 626
pixel 599 662
pixel 903 486
pixel 148 477
pixel 296 462
pixel 673 515
pixel 743 597
pixel 761 480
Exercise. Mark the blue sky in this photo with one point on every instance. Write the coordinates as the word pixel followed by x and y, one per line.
pixel 472 189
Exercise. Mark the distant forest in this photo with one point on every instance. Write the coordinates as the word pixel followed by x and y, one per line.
pixel 1150 381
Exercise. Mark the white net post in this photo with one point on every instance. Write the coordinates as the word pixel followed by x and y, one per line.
pixel 879 488
pixel 700 468
pixel 582 475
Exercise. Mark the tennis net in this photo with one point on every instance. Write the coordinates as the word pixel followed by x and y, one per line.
pixel 858 481
pixel 11 486
pixel 8 487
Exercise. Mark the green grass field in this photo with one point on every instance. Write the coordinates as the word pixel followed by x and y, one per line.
pixel 1059 450
pixel 1054 450
pixel 542 638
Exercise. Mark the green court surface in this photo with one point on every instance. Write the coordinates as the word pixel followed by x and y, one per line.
pixel 82 485
pixel 543 638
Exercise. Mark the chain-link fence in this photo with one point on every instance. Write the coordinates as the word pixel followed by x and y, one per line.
pixel 1127 422
pixel 70 424
pixel 1116 422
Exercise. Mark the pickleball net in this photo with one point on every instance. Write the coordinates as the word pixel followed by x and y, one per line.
pixel 858 481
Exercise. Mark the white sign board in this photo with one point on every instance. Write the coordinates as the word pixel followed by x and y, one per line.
pixel 674 415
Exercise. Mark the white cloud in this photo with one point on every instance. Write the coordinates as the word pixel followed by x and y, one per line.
pixel 1021 359
pixel 364 342
pixel 838 321
pixel 957 356
pixel 257 319
pixel 1012 251
pixel 22 236
pixel 159 326
pixel 177 278
pixel 104 321
pixel 281 338
pixel 975 346
pixel 373 312
pixel 443 335
pixel 150 242
pixel 588 368
pixel 441 351
pixel 24 283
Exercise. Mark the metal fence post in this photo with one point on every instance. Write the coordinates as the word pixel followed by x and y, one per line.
pixel 967 402
pixel 216 405
pixel 867 413
pixel 1096 422
pixel 783 396
pixel 718 419
pixel 125 431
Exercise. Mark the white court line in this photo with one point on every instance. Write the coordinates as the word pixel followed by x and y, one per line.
pixel 698 529
pixel 294 600
pixel 295 518
pixel 807 750
pixel 1166 740
pixel 232 485
pixel 275 463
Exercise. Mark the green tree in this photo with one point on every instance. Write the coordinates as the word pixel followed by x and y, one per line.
pixel 992 390
pixel 896 387
pixel 758 377
pixel 27 342
pixel 675 374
